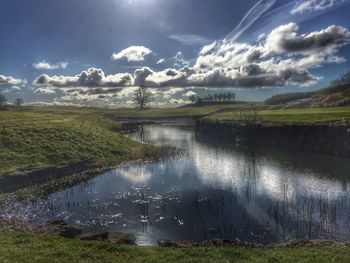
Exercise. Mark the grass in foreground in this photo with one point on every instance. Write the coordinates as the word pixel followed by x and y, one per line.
pixel 293 116
pixel 30 248
pixel 47 138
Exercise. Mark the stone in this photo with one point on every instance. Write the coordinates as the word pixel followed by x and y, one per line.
pixel 114 237
pixel 227 243
pixel 122 238
pixel 67 231
pixel 177 243
pixel 94 236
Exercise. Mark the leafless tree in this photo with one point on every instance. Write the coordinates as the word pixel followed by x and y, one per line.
pixel 143 96
pixel 18 102
pixel 3 101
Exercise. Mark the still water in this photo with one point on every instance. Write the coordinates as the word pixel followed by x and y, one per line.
pixel 214 190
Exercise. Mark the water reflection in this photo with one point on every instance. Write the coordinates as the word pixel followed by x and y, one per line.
pixel 216 190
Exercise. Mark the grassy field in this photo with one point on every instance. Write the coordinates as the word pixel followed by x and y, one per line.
pixel 51 136
pixel 42 138
pixel 29 248
pixel 130 112
pixel 293 116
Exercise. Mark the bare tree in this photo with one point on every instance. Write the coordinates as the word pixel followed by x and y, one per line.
pixel 143 96
pixel 3 101
pixel 18 102
pixel 192 98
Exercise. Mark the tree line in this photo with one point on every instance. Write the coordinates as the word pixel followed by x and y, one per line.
pixel 3 102
pixel 212 98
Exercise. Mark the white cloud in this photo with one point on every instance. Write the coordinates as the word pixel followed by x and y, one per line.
pixel 43 65
pixel 188 39
pixel 8 80
pixel 309 6
pixel 180 60
pixel 132 54
pixel 189 93
pixel 161 61
pixel 10 84
pixel 281 58
pixel 92 77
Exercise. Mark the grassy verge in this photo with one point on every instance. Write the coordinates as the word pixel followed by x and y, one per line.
pixel 54 137
pixel 34 248
pixel 293 116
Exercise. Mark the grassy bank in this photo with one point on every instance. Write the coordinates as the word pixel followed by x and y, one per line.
pixel 293 116
pixel 30 248
pixel 51 137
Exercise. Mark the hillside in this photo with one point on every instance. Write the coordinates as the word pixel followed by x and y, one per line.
pixel 335 95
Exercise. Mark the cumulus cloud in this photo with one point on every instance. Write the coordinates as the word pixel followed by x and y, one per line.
pixel 133 54
pixel 43 65
pixel 180 60
pixel 285 39
pixel 281 58
pixel 92 77
pixel 309 6
pixel 10 84
pixel 8 80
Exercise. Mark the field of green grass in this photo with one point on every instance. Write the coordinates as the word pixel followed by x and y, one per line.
pixel 174 112
pixel 293 116
pixel 51 137
pixel 30 248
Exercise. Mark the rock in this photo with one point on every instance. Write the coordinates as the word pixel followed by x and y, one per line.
pixel 94 236
pixel 60 228
pixel 311 243
pixel 117 238
pixel 177 243
pixel 228 243
pixel 64 231
pixel 122 238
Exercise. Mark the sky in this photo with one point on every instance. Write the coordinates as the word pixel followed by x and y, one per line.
pixel 97 52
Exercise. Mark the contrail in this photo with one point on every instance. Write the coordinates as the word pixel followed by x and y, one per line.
pixel 253 14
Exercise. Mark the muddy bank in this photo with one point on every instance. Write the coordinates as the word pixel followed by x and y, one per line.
pixel 17 180
pixel 322 139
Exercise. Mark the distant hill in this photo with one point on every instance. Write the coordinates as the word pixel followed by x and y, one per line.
pixel 335 95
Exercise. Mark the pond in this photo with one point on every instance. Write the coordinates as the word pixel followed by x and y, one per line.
pixel 214 190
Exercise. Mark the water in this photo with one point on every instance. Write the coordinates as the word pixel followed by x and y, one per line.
pixel 215 190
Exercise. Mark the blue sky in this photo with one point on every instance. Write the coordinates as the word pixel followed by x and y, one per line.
pixel 93 52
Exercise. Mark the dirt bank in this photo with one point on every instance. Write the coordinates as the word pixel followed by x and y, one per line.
pixel 324 139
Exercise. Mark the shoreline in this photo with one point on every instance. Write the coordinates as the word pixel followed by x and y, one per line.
pixel 331 140
pixel 82 172
pixel 60 228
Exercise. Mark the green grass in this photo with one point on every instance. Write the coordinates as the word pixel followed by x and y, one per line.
pixel 29 248
pixel 52 137
pixel 173 112
pixel 293 116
